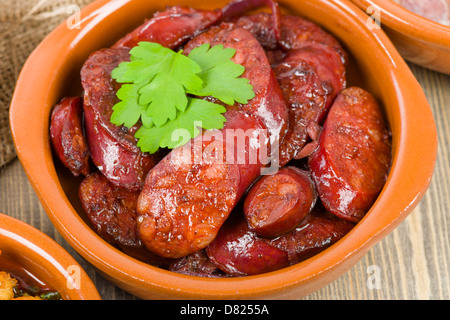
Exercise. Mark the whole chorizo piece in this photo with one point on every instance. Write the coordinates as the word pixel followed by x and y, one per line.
pixel 276 204
pixel 190 193
pixel 183 204
pixel 113 148
pixel 239 251
pixel 67 137
pixel 352 161
pixel 171 28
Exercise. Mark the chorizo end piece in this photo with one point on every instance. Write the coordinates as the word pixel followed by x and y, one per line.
pixel 352 161
pixel 67 137
pixel 276 204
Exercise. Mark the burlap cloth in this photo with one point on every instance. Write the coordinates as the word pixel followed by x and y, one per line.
pixel 23 24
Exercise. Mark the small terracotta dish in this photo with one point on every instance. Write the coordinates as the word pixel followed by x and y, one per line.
pixel 419 40
pixel 52 71
pixel 44 259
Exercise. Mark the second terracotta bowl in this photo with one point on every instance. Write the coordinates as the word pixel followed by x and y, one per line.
pixel 45 259
pixel 419 40
pixel 52 72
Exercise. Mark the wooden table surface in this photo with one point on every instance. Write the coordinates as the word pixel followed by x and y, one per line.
pixel 412 262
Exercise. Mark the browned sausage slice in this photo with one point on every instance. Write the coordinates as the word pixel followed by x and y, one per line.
pixel 310 78
pixel 318 231
pixel 67 136
pixel 113 148
pixel 276 204
pixel 352 161
pixel 184 202
pixel 238 251
pixel 436 10
pixel 171 28
pixel 310 73
pixel 110 209
pixel 296 33
pixel 100 91
pixel 196 264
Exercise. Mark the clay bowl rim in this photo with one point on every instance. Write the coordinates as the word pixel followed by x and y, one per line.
pixel 398 198
pixel 409 23
pixel 33 247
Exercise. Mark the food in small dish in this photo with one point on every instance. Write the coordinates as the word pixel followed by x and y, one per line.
pixel 33 266
pixel 17 283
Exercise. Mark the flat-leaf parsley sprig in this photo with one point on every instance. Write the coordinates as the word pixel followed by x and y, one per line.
pixel 161 87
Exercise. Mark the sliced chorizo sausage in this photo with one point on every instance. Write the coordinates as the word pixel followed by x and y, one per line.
pixel 277 203
pixel 196 264
pixel 171 28
pixel 185 201
pixel 238 251
pixel 295 33
pixel 437 10
pixel 110 209
pixel 113 148
pixel 268 104
pixel 239 7
pixel 208 191
pixel 310 68
pixel 319 230
pixel 352 161
pixel 310 78
pixel 66 133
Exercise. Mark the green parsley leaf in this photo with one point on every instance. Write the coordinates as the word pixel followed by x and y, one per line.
pixel 169 75
pixel 199 113
pixel 221 75
pixel 128 111
pixel 157 89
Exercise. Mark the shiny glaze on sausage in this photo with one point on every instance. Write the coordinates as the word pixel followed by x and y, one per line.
pixel 66 134
pixel 351 164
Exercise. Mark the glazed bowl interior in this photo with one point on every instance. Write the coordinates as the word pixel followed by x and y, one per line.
pixel 418 39
pixel 374 65
pixel 45 259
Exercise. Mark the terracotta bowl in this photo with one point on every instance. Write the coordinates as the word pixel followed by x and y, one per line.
pixel 45 259
pixel 52 71
pixel 419 40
